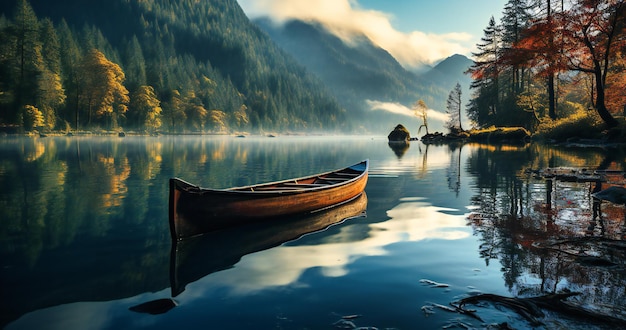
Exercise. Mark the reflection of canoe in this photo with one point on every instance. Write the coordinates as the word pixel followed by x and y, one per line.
pixel 196 257
pixel 195 210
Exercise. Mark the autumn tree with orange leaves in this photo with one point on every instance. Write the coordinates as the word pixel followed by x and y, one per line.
pixel 586 37
pixel 593 33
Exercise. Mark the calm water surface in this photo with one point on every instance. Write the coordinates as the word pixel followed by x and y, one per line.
pixel 84 235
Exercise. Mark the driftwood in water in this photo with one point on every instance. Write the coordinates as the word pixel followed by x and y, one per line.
pixel 573 174
pixel 531 308
pixel 611 247
pixel 570 174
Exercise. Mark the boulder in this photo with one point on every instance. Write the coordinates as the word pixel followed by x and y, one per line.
pixel 399 134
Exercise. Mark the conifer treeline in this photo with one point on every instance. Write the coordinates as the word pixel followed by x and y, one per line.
pixel 158 65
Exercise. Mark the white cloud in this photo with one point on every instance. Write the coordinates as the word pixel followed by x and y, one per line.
pixel 400 109
pixel 346 19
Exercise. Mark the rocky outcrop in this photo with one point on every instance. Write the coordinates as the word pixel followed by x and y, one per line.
pixel 399 134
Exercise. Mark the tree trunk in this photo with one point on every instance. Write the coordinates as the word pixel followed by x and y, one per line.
pixel 551 98
pixel 604 113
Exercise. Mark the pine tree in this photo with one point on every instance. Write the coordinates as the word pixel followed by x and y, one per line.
pixel 51 92
pixel 454 109
pixel 7 83
pixel 485 72
pixel 51 45
pixel 135 65
pixel 71 56
pixel 27 63
pixel 515 19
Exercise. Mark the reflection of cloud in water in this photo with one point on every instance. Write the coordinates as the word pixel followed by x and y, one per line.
pixel 411 220
pixel 88 315
pixel 285 264
pixel 71 316
pixel 414 220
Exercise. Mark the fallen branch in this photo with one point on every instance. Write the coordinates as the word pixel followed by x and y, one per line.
pixel 521 306
pixel 532 308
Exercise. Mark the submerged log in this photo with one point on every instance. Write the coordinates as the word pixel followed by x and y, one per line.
pixel 531 308
pixel 572 174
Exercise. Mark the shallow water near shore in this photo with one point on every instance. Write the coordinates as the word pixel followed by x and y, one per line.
pixel 84 235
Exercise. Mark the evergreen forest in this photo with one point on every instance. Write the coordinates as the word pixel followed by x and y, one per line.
pixel 150 66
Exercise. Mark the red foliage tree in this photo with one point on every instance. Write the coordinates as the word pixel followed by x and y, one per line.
pixel 586 38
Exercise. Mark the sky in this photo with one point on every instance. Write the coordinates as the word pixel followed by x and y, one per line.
pixel 415 32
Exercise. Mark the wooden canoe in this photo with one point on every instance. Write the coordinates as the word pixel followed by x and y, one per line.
pixel 196 257
pixel 194 210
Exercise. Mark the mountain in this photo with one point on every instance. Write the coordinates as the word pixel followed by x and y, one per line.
pixel 447 73
pixel 209 66
pixel 358 71
pixel 450 71
pixel 362 66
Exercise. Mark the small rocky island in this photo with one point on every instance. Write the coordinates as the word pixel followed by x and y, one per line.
pixel 399 134
pixel 488 135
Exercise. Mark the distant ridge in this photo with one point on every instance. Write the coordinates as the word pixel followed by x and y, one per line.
pixel 450 71
pixel 362 71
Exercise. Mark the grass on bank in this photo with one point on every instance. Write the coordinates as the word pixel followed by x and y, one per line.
pixel 499 134
pixel 581 125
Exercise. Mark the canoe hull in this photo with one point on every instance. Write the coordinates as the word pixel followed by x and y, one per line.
pixel 195 210
pixel 196 257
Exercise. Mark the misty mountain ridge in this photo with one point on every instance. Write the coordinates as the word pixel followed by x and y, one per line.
pixel 360 71
pixel 450 71
pixel 358 64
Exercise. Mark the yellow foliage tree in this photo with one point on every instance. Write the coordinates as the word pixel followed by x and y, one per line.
pixel 148 107
pixel 217 120
pixel 51 96
pixel 195 112
pixel 31 117
pixel 103 91
pixel 241 116
pixel 421 111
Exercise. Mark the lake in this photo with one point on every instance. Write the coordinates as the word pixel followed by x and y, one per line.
pixel 85 238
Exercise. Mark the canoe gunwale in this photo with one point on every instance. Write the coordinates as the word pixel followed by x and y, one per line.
pixel 250 189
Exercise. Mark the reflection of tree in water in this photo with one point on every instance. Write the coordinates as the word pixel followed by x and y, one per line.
pixel 67 199
pixel 454 170
pixel 549 236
